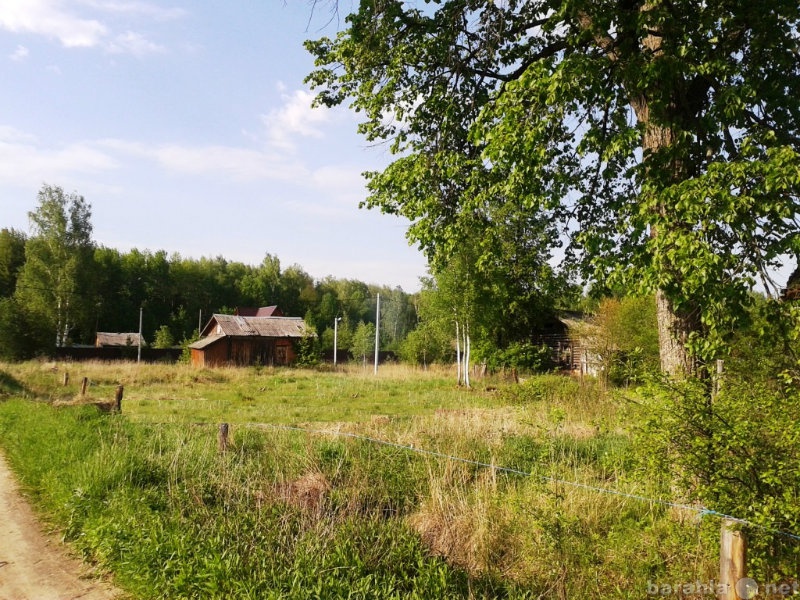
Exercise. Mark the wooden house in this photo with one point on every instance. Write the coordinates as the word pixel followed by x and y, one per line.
pixel 248 340
pixel 106 339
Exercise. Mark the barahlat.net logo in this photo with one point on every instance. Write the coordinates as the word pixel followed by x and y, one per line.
pixel 746 588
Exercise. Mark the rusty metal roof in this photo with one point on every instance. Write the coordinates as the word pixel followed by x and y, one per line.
pixel 263 311
pixel 205 342
pixel 275 327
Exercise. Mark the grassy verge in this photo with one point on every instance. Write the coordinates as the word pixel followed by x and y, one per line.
pixel 286 514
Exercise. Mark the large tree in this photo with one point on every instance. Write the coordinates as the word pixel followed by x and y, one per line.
pixel 12 257
pixel 54 284
pixel 659 136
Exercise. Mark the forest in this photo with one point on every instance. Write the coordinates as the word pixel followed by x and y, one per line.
pixel 58 287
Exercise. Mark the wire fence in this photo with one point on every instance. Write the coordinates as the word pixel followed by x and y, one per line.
pixel 701 510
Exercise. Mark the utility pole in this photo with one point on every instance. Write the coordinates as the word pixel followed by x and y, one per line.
pixel 139 353
pixel 377 332
pixel 200 323
pixel 335 339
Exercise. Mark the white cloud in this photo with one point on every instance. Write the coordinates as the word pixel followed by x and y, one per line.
pixel 296 117
pixel 237 164
pixel 21 53
pixel 12 135
pixel 47 18
pixel 58 19
pixel 134 43
pixel 339 179
pixel 24 162
pixel 144 9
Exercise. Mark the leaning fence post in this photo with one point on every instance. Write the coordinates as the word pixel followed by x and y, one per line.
pixel 84 383
pixel 222 437
pixel 118 397
pixel 732 563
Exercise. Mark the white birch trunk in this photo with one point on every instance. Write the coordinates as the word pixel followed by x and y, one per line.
pixel 466 354
pixel 59 320
pixel 65 334
pixel 458 354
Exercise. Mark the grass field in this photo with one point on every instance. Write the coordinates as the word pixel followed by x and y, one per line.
pixel 292 514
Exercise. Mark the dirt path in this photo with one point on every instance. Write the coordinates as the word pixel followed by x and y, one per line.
pixel 33 565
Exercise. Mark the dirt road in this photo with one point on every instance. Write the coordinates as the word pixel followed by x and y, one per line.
pixel 33 565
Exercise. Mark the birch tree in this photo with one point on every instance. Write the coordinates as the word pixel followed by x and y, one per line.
pixel 53 284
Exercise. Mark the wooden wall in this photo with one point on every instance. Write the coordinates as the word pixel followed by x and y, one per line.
pixel 245 351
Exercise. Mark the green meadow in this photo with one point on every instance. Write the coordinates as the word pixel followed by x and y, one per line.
pixel 148 497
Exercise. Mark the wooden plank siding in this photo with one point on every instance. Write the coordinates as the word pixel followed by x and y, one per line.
pixel 233 351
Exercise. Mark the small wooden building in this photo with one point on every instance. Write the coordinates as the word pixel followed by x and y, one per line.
pixel 239 340
pixel 106 339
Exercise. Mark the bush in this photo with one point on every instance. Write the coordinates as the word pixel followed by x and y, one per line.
pixel 164 338
pixel 523 356
pixel 627 338
pixel 308 351
pixel 736 453
pixel 21 335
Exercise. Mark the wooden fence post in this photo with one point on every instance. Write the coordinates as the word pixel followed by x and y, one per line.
pixel 222 437
pixel 118 398
pixel 84 383
pixel 732 564
pixel 66 378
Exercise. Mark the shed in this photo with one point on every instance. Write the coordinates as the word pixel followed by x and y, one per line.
pixel 106 339
pixel 239 340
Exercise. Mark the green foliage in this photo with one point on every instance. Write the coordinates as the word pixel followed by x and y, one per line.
pixel 553 389
pixel 363 343
pixel 12 257
pixel 308 352
pixel 737 454
pixel 290 514
pixel 186 352
pixel 164 338
pixel 523 356
pixel 426 345
pixel 55 281
pixel 22 334
pixel 730 442
pixel 661 138
pixel 626 338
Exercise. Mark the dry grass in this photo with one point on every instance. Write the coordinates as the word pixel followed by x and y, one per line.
pixel 554 537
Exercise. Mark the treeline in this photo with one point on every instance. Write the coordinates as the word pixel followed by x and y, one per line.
pixel 57 287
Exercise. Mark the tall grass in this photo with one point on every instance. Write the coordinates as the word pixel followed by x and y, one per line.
pixel 287 514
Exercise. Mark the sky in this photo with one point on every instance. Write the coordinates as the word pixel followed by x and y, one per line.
pixel 188 128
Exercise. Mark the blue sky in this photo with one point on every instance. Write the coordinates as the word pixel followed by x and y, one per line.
pixel 188 128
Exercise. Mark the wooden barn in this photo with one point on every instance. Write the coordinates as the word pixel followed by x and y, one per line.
pixel 245 340
pixel 106 339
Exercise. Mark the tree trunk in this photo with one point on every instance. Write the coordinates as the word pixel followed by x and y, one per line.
pixel 673 334
pixel 466 355
pixel 674 328
pixel 458 355
pixel 660 133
